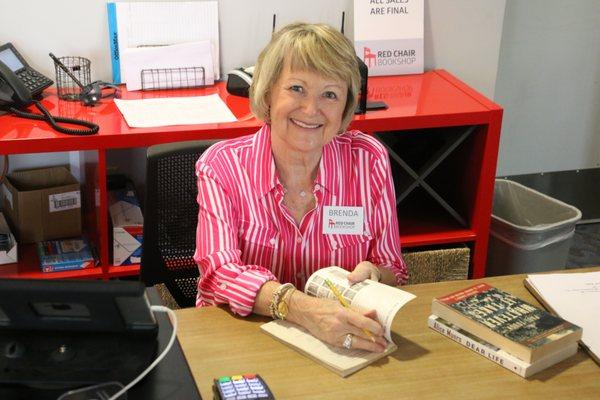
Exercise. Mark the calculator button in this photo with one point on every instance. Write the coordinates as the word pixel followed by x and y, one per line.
pixel 242 397
pixel 252 396
pixel 263 395
pixel 236 377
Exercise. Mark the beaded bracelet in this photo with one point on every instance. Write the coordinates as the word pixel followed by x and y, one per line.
pixel 275 307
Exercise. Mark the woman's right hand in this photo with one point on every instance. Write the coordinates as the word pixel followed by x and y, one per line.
pixel 330 322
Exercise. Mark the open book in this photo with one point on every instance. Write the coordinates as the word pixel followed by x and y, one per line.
pixel 367 295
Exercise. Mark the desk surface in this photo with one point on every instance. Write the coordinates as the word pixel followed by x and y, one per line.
pixel 426 365
pixel 432 99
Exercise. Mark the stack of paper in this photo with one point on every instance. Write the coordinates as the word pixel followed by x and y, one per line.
pixel 174 111
pixel 157 35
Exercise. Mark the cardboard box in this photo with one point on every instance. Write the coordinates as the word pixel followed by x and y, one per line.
pixel 42 204
pixel 65 255
pixel 8 244
pixel 128 226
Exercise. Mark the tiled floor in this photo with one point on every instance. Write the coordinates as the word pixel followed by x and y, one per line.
pixel 585 248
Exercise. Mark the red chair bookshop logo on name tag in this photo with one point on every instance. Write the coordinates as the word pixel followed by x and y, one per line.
pixel 343 220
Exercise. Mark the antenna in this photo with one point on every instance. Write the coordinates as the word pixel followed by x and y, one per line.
pixel 343 18
pixel 274 20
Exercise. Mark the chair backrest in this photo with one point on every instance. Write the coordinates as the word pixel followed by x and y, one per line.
pixel 170 218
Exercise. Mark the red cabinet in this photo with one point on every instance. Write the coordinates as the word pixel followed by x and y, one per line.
pixel 442 135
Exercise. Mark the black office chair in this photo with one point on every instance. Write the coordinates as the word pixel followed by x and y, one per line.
pixel 170 218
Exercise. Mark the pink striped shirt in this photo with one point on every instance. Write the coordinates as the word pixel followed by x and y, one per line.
pixel 246 236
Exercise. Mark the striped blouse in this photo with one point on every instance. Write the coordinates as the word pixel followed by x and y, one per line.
pixel 246 236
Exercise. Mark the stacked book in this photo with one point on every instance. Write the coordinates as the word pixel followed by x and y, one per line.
pixel 504 328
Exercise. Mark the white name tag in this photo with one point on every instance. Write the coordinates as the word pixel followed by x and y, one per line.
pixel 343 220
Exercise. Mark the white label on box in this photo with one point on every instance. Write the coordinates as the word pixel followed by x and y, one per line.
pixel 64 201
pixel 8 196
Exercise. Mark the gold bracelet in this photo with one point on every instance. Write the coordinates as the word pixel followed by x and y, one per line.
pixel 283 307
pixel 277 298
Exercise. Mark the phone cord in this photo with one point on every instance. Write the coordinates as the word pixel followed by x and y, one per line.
pixel 92 128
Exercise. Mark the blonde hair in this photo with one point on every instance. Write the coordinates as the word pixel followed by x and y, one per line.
pixel 313 47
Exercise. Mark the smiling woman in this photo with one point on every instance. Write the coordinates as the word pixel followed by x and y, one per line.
pixel 269 203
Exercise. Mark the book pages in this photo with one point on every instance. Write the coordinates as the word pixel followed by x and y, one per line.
pixel 366 295
pixel 341 361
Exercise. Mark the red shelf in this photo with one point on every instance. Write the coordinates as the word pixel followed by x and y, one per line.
pixel 28 267
pixel 435 99
pixel 440 237
pixel 123 270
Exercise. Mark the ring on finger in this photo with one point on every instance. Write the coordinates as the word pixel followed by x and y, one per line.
pixel 348 341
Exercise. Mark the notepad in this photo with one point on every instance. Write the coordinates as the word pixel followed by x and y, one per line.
pixel 575 297
pixel 168 111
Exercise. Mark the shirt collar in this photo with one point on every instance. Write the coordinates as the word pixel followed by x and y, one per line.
pixel 263 163
pixel 328 175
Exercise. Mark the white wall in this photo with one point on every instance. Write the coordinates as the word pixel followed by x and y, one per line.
pixel 549 84
pixel 462 36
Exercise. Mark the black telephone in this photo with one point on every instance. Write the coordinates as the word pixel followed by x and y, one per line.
pixel 32 79
pixel 17 89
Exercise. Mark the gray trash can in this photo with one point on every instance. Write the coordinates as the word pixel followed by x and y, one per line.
pixel 529 232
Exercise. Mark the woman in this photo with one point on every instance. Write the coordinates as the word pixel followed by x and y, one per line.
pixel 262 227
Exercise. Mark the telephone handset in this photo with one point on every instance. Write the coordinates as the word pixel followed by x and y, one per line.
pixel 14 95
pixel 12 89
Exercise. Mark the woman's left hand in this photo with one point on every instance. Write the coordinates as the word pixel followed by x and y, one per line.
pixel 364 270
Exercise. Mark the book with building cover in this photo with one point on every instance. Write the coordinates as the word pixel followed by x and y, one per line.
pixel 496 354
pixel 506 321
pixel 386 300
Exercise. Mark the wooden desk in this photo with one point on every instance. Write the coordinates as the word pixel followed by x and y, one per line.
pixel 426 365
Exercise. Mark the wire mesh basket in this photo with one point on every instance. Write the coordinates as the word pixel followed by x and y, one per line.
pixel 173 78
pixel 67 88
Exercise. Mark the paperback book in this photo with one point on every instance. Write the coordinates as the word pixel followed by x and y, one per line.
pixel 496 354
pixel 386 300
pixel 506 321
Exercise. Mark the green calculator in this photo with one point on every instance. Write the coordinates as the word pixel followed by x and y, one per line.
pixel 241 387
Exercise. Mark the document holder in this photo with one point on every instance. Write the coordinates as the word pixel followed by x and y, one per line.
pixel 173 78
pixel 67 334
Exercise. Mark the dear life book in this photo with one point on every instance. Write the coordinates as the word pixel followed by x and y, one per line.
pixel 506 321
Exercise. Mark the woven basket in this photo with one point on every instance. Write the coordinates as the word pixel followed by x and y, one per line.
pixel 437 265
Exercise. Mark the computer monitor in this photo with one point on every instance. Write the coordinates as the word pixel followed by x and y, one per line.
pixel 66 334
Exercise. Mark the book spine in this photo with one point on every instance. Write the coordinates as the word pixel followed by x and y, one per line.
pixel 484 349
pixel 114 42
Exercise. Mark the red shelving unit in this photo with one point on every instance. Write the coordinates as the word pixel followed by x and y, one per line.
pixel 451 205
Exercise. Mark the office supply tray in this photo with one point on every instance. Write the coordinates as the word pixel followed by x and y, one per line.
pixel 173 78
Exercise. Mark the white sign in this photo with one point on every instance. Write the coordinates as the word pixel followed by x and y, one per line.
pixel 343 220
pixel 388 35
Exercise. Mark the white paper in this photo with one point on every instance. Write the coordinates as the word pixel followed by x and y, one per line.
pixel 576 298
pixel 186 55
pixel 388 36
pixel 174 111
pixel 366 295
pixel 141 24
